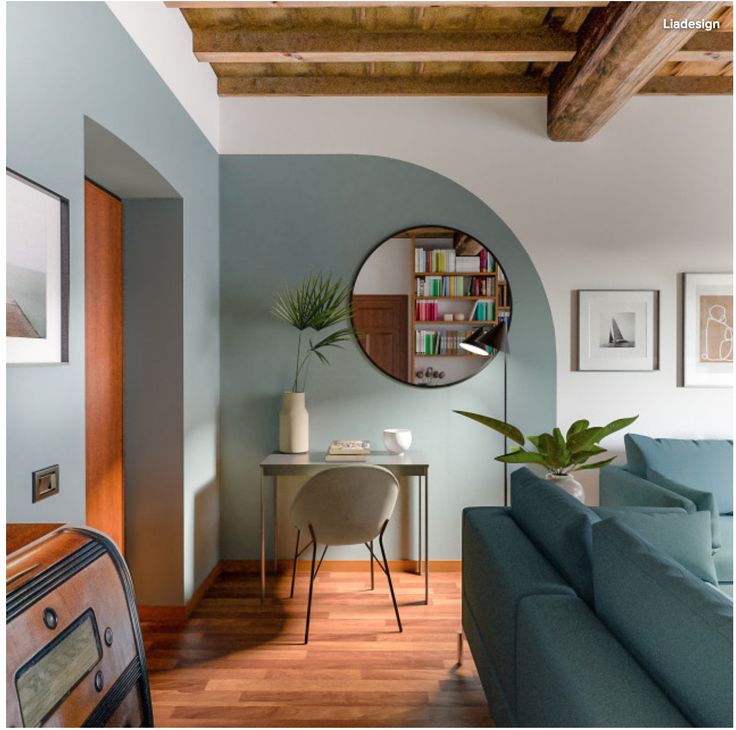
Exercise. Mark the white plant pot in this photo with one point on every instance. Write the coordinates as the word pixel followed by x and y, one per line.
pixel 569 484
pixel 397 440
pixel 293 425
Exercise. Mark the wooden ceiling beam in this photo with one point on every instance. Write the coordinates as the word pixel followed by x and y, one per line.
pixel 381 86
pixel 706 46
pixel 200 4
pixel 620 49
pixel 358 46
pixel 689 86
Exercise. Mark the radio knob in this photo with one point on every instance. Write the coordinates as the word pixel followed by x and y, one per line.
pixel 50 618
pixel 108 636
pixel 99 681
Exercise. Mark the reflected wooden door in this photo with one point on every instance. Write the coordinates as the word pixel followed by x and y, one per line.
pixel 382 322
pixel 103 299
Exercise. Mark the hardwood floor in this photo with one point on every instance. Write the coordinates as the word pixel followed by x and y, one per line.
pixel 239 664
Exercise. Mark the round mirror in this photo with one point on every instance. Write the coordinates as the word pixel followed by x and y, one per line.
pixel 419 295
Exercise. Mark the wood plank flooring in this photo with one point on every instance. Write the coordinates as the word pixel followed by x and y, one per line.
pixel 236 663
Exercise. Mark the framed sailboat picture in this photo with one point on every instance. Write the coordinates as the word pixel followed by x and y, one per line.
pixel 618 329
pixel 707 338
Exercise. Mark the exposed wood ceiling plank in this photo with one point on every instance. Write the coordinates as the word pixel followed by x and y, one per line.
pixel 706 46
pixel 192 4
pixel 381 86
pixel 275 47
pixel 621 48
pixel 689 85
pixel 569 18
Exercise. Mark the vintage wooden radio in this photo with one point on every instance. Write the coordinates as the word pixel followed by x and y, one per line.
pixel 75 653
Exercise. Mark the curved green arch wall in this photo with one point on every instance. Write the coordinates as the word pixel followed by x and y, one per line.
pixel 282 216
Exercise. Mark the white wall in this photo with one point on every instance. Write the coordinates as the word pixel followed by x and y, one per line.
pixel 648 198
pixel 166 40
pixel 387 270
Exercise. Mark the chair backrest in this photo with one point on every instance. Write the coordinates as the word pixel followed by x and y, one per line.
pixel 346 505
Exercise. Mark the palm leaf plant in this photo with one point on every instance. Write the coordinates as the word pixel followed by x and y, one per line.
pixel 318 303
pixel 558 454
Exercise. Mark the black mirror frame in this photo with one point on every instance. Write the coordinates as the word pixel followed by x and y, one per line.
pixel 363 263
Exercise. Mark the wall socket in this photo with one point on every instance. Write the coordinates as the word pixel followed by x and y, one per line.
pixel 45 482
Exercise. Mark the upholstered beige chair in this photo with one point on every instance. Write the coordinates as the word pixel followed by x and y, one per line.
pixel 345 505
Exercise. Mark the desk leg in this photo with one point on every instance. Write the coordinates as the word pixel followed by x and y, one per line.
pixel 426 537
pixel 263 542
pixel 419 527
pixel 275 525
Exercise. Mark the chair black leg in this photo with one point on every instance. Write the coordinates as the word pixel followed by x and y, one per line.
pixel 373 579
pixel 293 571
pixel 311 583
pixel 388 576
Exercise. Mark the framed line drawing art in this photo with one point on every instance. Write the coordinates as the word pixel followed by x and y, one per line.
pixel 707 338
pixel 37 273
pixel 618 329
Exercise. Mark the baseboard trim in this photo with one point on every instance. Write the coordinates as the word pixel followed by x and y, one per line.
pixel 177 614
pixel 204 586
pixel 253 567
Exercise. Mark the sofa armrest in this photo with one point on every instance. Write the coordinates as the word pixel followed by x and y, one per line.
pixel 703 501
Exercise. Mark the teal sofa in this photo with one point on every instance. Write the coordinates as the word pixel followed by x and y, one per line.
pixel 681 473
pixel 574 620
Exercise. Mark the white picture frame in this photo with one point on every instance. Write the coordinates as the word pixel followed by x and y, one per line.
pixel 37 273
pixel 618 330
pixel 707 337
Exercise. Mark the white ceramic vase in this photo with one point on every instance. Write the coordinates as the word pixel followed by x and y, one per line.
pixel 293 424
pixel 569 484
pixel 397 440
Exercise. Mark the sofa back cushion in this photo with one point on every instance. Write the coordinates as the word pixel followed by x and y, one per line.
pixel 558 525
pixel 706 464
pixel 677 627
pixel 684 536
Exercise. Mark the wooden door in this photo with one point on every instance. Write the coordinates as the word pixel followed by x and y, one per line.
pixel 103 298
pixel 383 325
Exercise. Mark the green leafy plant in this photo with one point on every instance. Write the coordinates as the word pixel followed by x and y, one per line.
pixel 558 454
pixel 317 303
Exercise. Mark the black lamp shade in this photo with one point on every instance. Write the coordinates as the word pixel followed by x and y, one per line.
pixel 481 339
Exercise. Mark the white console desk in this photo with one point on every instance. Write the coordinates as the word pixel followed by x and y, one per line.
pixel 412 464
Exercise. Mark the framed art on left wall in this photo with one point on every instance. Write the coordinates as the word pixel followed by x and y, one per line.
pixel 37 273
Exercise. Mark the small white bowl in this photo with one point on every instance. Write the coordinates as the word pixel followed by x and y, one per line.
pixel 397 440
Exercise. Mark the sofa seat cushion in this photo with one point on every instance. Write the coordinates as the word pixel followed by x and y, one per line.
pixel 705 464
pixel 572 672
pixel 684 537
pixel 724 555
pixel 679 629
pixel 500 566
pixel 558 524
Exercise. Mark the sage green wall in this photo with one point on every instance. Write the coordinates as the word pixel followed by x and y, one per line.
pixel 65 61
pixel 282 216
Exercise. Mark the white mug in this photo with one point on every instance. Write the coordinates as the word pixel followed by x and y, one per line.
pixel 397 440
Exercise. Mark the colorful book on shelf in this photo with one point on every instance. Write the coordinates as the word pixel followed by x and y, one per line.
pixel 484 311
pixel 456 286
pixel 349 447
pixel 427 310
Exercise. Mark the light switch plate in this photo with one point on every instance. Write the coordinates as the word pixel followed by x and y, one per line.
pixel 45 482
